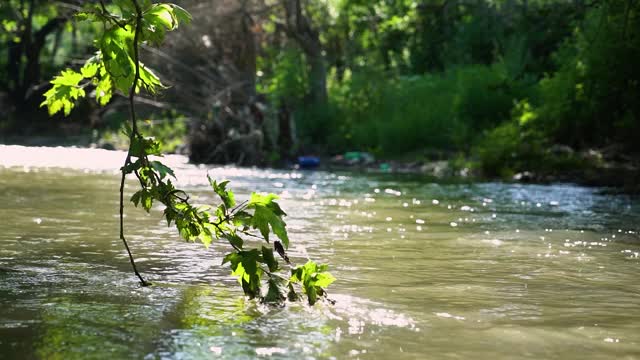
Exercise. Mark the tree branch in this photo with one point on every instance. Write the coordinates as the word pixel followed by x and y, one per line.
pixel 134 133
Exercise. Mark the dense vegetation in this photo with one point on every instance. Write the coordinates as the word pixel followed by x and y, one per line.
pixel 509 85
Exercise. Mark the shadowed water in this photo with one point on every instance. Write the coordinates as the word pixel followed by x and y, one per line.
pixel 424 270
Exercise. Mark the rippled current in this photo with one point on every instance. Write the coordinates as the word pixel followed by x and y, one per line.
pixel 425 270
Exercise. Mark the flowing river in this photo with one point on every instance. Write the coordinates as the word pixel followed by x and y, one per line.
pixel 425 270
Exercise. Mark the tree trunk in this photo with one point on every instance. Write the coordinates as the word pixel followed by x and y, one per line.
pixel 300 29
pixel 23 65
pixel 317 78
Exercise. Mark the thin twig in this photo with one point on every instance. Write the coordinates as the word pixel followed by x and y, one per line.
pixel 134 132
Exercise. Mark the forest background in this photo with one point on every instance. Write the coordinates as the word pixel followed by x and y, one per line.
pixel 543 90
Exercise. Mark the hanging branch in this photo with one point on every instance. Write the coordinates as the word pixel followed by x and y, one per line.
pixel 134 133
pixel 123 35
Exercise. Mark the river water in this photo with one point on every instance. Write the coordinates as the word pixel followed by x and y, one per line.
pixel 425 270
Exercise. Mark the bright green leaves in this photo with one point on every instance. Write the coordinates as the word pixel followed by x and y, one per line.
pixel 90 68
pixel 68 87
pixel 227 196
pixel 149 80
pixel 160 18
pixel 268 213
pixel 65 91
pixel 314 278
pixel 250 266
pixel 104 87
pixel 116 48
pixel 114 66
pixel 245 266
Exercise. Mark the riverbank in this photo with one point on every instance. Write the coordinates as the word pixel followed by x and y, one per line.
pixel 593 167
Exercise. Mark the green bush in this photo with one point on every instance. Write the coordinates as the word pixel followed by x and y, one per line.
pixel 445 111
pixel 592 99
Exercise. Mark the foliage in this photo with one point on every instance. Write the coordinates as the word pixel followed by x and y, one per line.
pixel 435 111
pixel 404 76
pixel 116 67
pixel 586 101
pixel 284 76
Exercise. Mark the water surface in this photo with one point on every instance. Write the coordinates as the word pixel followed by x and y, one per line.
pixel 424 270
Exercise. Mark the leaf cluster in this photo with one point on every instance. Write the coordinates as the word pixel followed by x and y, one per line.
pixel 114 66
pixel 236 223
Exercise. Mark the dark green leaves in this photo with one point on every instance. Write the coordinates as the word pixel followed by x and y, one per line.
pixel 269 259
pixel 141 147
pixel 162 169
pixel 143 197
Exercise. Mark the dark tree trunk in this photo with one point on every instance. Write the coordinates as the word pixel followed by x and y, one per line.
pixel 299 28
pixel 286 133
pixel 23 63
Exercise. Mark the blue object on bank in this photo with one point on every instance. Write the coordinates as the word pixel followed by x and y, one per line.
pixel 308 162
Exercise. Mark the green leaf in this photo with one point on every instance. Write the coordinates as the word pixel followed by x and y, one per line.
pixel 264 200
pixel 292 295
pixel 104 88
pixel 90 68
pixel 162 169
pixel 269 259
pixel 263 217
pixel 149 80
pixel 141 146
pixel 227 196
pixel 314 279
pixel 268 213
pixel 275 293
pixel 312 293
pixel 146 201
pixel 143 197
pixel 323 280
pixel 206 237
pixel 242 218
pixel 116 48
pixel 135 199
pixel 250 260
pixel 182 16
pixel 233 258
pixel 161 15
pixel 244 265
pixel 235 240
pixel 64 93
pixel 132 166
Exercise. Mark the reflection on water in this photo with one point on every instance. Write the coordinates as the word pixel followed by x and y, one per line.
pixel 424 270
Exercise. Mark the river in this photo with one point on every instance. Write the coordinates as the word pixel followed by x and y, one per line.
pixel 425 270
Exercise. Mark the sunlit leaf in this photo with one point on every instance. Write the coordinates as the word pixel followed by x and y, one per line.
pixel 227 196
pixel 64 93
